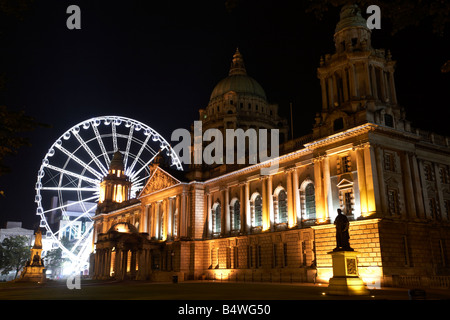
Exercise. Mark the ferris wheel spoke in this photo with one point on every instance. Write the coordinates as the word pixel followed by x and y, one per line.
pixel 71 204
pixel 70 189
pixel 80 162
pixel 143 167
pixel 100 143
pixel 72 174
pixel 114 136
pixel 131 168
pixel 91 154
pixel 72 222
pixel 80 240
pixel 127 151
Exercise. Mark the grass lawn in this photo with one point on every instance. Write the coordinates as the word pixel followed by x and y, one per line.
pixel 135 290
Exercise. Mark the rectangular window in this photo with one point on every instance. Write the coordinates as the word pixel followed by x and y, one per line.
pixel 346 164
pixel 389 162
pixel 443 175
pixel 393 202
pixel 428 172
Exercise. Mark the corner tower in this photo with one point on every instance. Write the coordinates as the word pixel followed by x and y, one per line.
pixel 357 81
pixel 115 188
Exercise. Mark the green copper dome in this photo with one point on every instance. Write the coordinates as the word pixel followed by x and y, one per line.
pixel 350 16
pixel 238 81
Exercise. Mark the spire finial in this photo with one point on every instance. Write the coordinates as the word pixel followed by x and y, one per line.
pixel 237 64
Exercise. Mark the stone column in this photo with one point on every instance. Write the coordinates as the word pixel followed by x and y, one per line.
pixel 360 167
pixel 208 212
pixel 408 185
pixel 345 88
pixel 373 199
pixel 222 211
pixel 324 93
pixel 392 83
pixel 270 202
pixel 328 201
pixel 242 202
pixel 381 184
pixel 170 218
pixel 320 208
pixel 178 208
pixel 227 212
pixel 248 217
pixel 296 190
pixel 290 199
pixel 374 82
pixel 265 204
pixel 330 93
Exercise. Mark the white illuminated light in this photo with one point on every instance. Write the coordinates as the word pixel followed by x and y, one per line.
pixel 73 168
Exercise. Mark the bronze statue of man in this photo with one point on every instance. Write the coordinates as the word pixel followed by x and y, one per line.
pixel 342 235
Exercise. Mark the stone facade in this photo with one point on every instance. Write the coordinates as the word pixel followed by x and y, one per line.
pixel 392 182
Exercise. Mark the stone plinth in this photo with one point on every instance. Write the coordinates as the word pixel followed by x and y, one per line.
pixel 34 271
pixel 345 280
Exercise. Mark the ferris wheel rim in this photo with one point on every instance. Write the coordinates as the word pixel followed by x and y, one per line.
pixel 107 120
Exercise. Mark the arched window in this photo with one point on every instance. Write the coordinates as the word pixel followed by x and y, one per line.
pixel 235 208
pixel 280 206
pixel 216 218
pixel 310 201
pixel 257 211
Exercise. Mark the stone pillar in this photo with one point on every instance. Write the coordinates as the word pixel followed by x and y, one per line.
pixel 242 202
pixel 179 215
pixel 360 167
pixel 408 185
pixel 227 212
pixel 381 184
pixel 320 208
pixel 248 217
pixel 324 93
pixel 208 212
pixel 392 83
pixel 270 202
pixel 330 93
pixel 222 211
pixel 374 82
pixel 265 205
pixel 295 189
pixel 170 212
pixel 327 196
pixel 290 199
pixel 345 88
pixel 373 199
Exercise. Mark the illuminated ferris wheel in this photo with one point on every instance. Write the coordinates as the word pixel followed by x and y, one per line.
pixel 68 181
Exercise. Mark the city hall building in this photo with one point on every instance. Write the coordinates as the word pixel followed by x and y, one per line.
pixel 231 222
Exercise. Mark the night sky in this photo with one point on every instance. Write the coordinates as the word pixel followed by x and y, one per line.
pixel 158 62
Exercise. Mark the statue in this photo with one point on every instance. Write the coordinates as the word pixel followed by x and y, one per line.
pixel 38 239
pixel 342 235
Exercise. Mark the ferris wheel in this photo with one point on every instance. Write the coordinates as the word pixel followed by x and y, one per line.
pixel 68 181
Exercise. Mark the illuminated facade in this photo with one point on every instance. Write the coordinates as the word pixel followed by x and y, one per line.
pixel 391 180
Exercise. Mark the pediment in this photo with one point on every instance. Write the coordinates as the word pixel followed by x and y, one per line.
pixel 344 183
pixel 159 180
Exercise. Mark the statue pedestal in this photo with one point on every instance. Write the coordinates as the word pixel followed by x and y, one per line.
pixel 34 271
pixel 345 279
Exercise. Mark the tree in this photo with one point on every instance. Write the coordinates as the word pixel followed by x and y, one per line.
pixel 14 254
pixel 54 260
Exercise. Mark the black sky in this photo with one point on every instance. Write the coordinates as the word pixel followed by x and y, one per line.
pixel 158 62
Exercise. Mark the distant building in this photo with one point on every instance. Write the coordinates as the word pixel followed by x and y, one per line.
pixel 391 180
pixel 13 229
